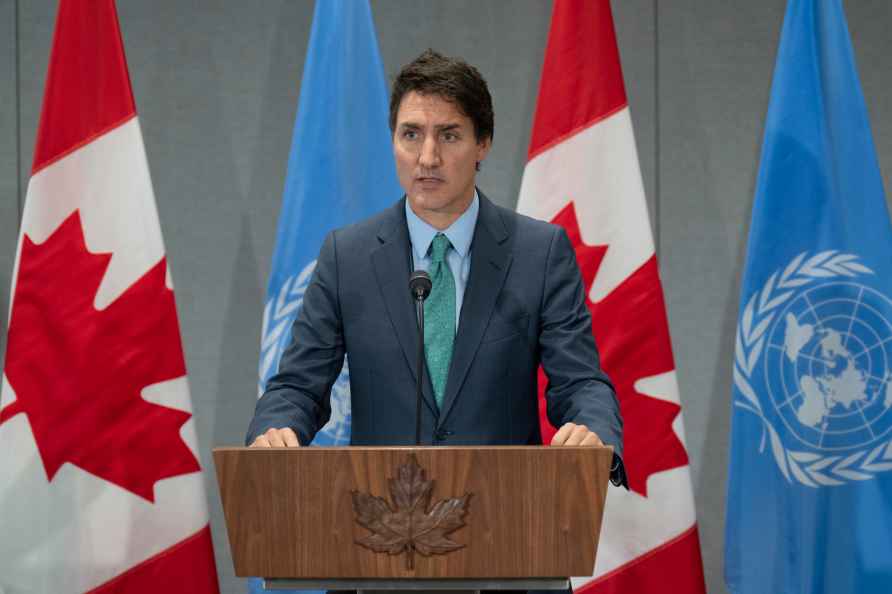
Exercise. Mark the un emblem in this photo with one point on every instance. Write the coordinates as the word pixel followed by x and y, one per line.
pixel 278 318
pixel 813 360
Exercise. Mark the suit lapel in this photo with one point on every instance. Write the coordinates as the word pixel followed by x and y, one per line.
pixel 490 261
pixel 391 262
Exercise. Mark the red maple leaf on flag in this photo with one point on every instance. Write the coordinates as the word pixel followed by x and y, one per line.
pixel 78 372
pixel 632 334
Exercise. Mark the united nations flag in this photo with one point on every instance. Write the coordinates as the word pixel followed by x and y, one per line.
pixel 340 170
pixel 810 470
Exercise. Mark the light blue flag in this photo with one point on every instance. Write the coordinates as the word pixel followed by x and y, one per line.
pixel 340 170
pixel 810 469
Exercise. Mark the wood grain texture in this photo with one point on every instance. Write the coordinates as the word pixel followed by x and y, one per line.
pixel 535 511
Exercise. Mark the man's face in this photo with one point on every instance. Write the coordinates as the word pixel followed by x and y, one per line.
pixel 436 155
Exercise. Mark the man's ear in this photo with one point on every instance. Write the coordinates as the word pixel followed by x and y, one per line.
pixel 483 147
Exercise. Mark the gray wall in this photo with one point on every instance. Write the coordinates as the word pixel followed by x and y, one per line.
pixel 9 191
pixel 216 85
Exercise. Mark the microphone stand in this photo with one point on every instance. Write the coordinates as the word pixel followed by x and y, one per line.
pixel 420 287
pixel 419 311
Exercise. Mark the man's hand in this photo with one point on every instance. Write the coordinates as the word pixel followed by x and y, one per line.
pixel 572 434
pixel 276 438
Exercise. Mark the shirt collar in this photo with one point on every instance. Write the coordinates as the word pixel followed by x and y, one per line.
pixel 460 233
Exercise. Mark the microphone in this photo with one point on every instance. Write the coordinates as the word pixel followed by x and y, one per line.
pixel 420 287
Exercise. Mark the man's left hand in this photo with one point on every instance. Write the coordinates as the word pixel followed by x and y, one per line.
pixel 572 434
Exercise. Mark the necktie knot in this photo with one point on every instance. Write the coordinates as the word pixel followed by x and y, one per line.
pixel 438 248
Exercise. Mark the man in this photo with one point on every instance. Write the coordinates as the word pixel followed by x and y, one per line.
pixel 507 296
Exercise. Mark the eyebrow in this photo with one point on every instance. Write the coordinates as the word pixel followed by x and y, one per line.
pixel 439 128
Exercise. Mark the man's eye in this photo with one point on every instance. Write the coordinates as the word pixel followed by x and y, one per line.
pixel 410 134
pixel 450 136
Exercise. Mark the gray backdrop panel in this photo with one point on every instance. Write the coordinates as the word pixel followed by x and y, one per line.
pixel 9 200
pixel 216 86
pixel 715 71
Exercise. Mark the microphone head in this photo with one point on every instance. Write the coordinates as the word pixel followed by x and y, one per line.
pixel 420 285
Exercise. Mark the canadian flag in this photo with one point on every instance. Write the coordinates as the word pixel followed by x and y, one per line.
pixel 100 484
pixel 582 173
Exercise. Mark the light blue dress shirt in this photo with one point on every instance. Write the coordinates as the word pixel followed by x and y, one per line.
pixel 460 233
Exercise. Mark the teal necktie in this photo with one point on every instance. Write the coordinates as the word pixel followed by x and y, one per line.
pixel 439 317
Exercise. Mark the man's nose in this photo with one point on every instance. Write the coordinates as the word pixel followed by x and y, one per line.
pixel 430 153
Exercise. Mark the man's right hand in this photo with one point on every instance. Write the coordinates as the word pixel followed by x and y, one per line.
pixel 277 438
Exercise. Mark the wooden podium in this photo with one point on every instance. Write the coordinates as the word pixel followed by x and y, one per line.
pixel 411 518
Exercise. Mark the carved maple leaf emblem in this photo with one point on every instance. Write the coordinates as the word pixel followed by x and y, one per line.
pixel 632 333
pixel 410 524
pixel 78 372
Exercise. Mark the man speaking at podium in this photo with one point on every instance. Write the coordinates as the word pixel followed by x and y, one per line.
pixel 507 296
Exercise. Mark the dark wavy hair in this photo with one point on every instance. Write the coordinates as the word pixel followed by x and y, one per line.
pixel 454 80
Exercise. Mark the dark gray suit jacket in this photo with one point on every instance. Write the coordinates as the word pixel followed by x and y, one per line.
pixel 524 305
